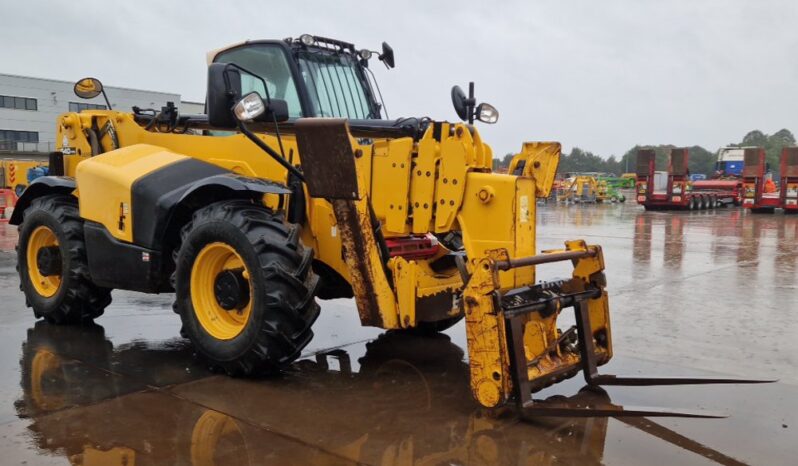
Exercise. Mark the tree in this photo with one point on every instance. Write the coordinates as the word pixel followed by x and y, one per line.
pixel 773 145
pixel 754 138
pixel 504 162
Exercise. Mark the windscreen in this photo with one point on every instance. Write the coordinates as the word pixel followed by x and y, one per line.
pixel 270 63
pixel 335 85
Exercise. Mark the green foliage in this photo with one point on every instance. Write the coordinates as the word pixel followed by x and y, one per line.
pixel 582 161
pixel 504 162
pixel 773 145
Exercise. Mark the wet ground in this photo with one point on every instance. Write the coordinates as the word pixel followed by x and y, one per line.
pixel 702 293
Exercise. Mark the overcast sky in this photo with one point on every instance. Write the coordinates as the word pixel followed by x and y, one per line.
pixel 600 75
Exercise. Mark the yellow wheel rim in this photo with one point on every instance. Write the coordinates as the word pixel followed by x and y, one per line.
pixel 209 430
pixel 219 322
pixel 42 237
pixel 44 365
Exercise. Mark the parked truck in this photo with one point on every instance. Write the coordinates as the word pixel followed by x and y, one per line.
pixel 672 189
pixel 730 162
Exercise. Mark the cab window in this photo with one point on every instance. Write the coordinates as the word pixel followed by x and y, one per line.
pixel 269 62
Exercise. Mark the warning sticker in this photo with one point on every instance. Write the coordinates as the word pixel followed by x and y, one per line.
pixel 523 209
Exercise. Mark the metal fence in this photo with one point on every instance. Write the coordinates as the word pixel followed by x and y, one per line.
pixel 28 147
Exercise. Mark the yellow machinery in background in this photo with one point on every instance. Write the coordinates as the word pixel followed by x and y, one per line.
pixel 580 189
pixel 14 173
pixel 314 195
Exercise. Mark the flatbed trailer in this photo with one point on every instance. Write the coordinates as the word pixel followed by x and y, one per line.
pixel 673 190
pixel 789 180
pixel 754 178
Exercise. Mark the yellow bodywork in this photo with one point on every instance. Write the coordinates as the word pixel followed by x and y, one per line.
pixel 105 180
pixel 15 172
pixel 439 183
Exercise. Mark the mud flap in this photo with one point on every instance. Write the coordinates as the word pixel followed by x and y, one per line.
pixel 330 170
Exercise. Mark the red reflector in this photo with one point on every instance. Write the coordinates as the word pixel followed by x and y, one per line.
pixel 413 247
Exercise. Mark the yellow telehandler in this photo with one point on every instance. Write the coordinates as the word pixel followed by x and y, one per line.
pixel 294 186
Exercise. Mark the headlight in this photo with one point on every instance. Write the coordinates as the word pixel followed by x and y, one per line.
pixel 249 107
pixel 307 39
pixel 487 113
pixel 365 54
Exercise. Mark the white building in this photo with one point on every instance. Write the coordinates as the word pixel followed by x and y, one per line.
pixel 29 108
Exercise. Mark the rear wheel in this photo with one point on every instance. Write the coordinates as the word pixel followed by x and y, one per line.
pixel 691 204
pixel 52 264
pixel 245 288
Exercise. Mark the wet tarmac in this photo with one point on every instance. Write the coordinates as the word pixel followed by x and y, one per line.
pixel 699 293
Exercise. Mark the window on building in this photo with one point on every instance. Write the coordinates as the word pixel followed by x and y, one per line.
pixel 18 103
pixel 80 106
pixel 18 136
pixel 9 138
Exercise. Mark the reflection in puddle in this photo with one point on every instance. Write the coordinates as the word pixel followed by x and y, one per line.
pixel 405 401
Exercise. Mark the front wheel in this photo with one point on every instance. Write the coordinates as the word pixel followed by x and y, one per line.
pixel 52 264
pixel 245 288
pixel 434 327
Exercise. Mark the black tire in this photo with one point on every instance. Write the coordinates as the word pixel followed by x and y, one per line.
pixel 77 299
pixel 282 286
pixel 59 343
pixel 432 328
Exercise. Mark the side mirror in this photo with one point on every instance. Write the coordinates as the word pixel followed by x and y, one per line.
pixel 224 89
pixel 88 88
pixel 460 103
pixel 464 106
pixel 387 55
pixel 277 110
pixel 226 106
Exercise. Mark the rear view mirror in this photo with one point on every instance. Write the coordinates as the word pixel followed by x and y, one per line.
pixel 387 55
pixel 88 88
pixel 227 106
pixel 276 110
pixel 460 103
pixel 224 90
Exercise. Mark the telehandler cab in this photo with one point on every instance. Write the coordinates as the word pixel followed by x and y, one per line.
pixel 312 194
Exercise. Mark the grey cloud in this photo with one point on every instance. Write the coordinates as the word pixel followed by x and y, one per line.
pixel 601 75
